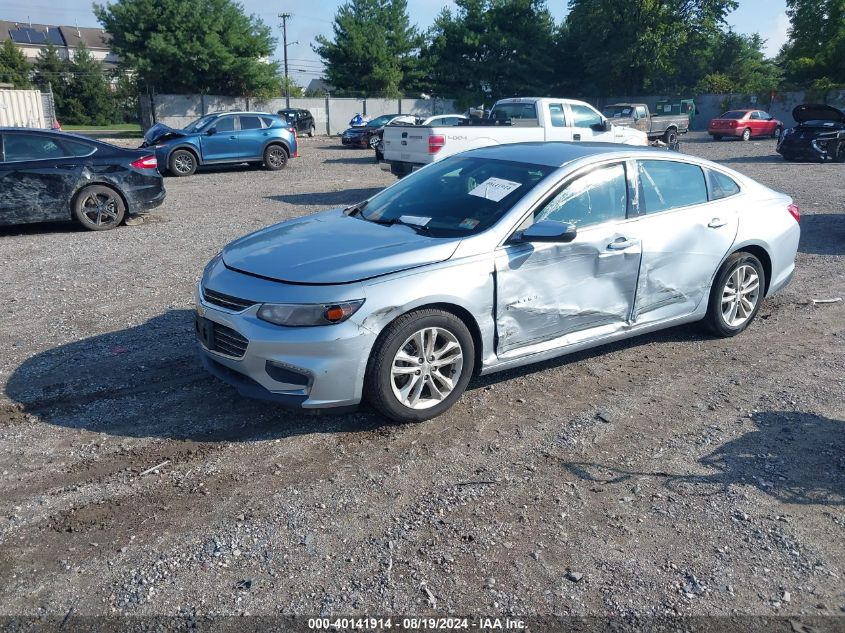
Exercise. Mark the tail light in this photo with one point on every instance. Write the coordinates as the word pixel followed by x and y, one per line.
pixel 794 212
pixel 147 162
pixel 734 123
pixel 436 143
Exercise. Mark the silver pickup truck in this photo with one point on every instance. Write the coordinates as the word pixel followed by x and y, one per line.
pixel 666 127
pixel 516 120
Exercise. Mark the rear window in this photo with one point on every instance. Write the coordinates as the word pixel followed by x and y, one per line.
pixel 457 196
pixel 666 184
pixel 505 111
pixel 721 186
pixel 733 114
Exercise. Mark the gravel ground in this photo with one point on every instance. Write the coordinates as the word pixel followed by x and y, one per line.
pixel 672 474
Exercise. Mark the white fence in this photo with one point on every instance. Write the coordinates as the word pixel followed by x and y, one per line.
pixel 331 115
pixel 21 108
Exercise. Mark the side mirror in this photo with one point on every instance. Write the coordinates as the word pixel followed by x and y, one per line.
pixel 603 126
pixel 211 131
pixel 549 231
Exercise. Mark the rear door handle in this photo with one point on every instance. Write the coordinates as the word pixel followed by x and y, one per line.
pixel 576 137
pixel 715 223
pixel 621 244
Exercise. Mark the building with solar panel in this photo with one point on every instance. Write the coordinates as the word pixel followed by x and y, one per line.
pixel 32 38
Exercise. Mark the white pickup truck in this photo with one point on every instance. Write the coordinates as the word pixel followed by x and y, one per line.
pixel 516 120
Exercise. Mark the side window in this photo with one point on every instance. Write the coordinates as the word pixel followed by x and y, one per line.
pixel 250 122
pixel 268 122
pixel 721 186
pixel 225 124
pixel 641 112
pixel 31 147
pixel 598 196
pixel 584 116
pixel 755 116
pixel 556 114
pixel 666 184
pixel 77 148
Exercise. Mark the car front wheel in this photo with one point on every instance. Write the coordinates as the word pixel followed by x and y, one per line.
pixel 420 365
pixel 746 134
pixel 182 163
pixel 736 295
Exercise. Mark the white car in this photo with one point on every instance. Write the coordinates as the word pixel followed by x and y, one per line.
pixel 443 120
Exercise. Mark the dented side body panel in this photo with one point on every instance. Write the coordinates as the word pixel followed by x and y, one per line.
pixel 524 302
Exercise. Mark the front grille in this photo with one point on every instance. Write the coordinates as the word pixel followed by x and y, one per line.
pixel 226 301
pixel 226 341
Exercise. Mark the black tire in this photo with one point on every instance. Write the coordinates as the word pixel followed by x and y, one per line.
pixel 778 131
pixel 839 156
pixel 715 320
pixel 312 131
pixel 182 163
pixel 378 383
pixel 716 137
pixel 99 208
pixel 746 134
pixel 670 137
pixel 275 157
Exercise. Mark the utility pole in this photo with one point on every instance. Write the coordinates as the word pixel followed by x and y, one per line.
pixel 285 17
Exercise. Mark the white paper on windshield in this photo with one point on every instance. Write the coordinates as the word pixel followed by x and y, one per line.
pixel 495 189
pixel 414 219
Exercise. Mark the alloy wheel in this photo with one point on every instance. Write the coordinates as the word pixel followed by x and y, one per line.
pixel 276 157
pixel 184 163
pixel 101 209
pixel 426 368
pixel 740 295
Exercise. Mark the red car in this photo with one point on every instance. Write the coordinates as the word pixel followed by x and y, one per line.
pixel 744 124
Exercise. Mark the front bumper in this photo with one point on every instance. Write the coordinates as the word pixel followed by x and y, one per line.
pixel 354 141
pixel 803 149
pixel 307 367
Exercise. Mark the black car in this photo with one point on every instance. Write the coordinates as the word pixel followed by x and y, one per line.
pixel 302 120
pixel 819 135
pixel 368 135
pixel 48 176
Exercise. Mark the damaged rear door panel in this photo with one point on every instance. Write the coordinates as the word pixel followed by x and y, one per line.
pixel 684 238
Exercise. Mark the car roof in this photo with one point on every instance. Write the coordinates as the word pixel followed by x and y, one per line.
pixel 559 153
pixel 41 130
pixel 241 112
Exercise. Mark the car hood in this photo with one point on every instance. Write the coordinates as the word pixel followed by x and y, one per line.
pixel 161 132
pixel 333 248
pixel 817 112
pixel 358 129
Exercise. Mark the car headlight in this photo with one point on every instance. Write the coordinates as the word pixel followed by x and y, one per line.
pixel 303 315
pixel 788 131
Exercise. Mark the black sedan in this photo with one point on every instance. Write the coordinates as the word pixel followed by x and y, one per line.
pixel 364 136
pixel 49 176
pixel 819 135
pixel 301 119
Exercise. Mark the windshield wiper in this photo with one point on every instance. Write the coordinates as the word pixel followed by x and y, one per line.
pixel 419 228
pixel 356 209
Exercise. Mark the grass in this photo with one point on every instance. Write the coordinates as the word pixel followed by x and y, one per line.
pixel 122 127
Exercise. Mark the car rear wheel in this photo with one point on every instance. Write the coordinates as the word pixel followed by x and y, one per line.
pixel 778 131
pixel 420 365
pixel 182 163
pixel 99 208
pixel 736 295
pixel 275 157
pixel 670 137
pixel 839 156
pixel 746 134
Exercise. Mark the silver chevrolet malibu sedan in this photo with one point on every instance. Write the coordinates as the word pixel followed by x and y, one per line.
pixel 488 260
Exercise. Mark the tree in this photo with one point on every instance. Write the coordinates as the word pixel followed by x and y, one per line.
pixel 373 50
pixel 50 70
pixel 14 69
pixel 205 46
pixel 815 52
pixel 89 99
pixel 489 49
pixel 295 89
pixel 638 46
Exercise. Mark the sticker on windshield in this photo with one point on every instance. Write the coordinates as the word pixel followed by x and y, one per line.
pixel 468 223
pixel 495 189
pixel 414 219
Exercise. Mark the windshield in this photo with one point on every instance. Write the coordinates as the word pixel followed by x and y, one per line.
pixel 380 121
pixel 733 114
pixel 200 123
pixel 457 196
pixel 612 112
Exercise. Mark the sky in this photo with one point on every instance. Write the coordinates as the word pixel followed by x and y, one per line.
pixel 766 17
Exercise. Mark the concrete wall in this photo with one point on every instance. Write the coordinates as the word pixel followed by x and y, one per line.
pixel 22 108
pixel 331 115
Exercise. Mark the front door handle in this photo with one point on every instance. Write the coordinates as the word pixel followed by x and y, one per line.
pixel 233 137
pixel 576 137
pixel 66 166
pixel 621 244
pixel 715 223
